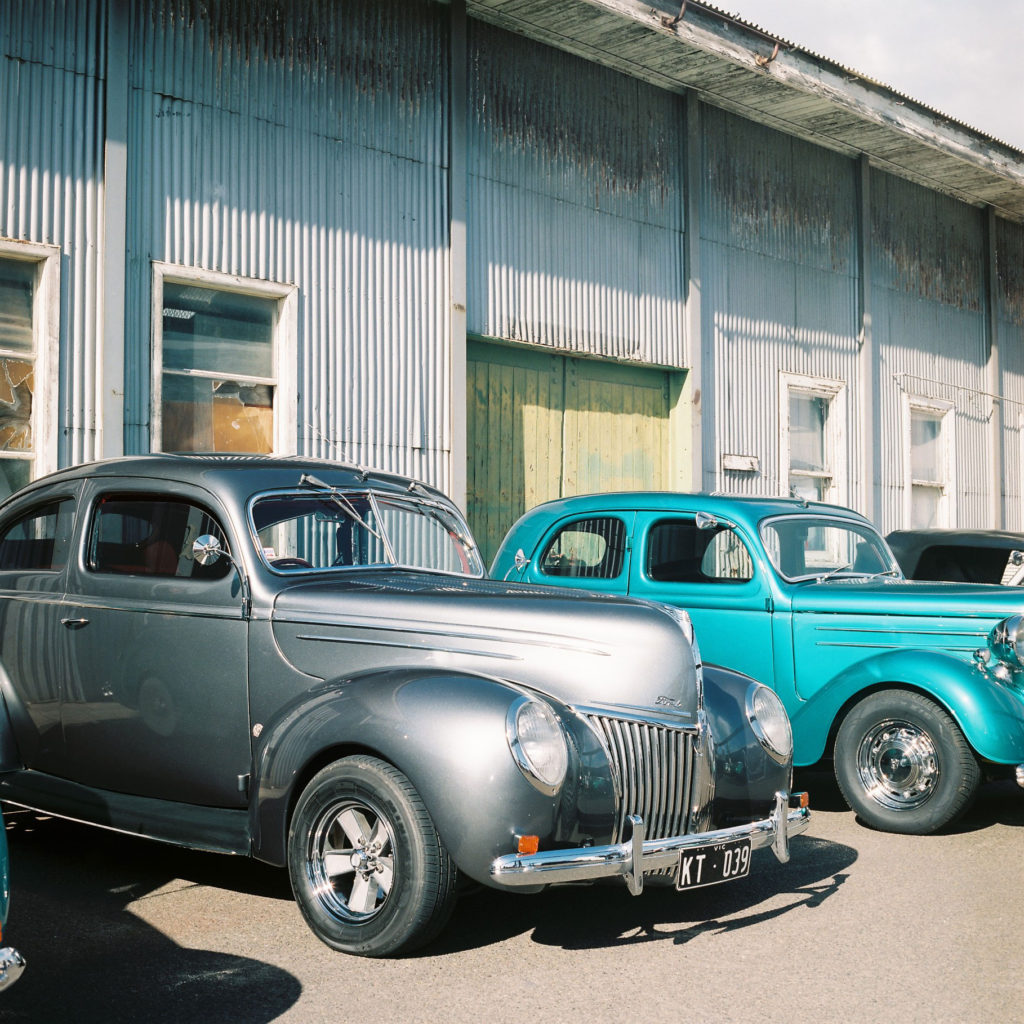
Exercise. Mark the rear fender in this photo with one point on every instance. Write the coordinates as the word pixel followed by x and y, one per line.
pixel 990 715
pixel 445 731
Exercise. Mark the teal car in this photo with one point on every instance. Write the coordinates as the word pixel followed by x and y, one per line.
pixel 12 963
pixel 914 690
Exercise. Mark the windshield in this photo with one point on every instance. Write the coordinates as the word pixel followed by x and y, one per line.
pixel 817 547
pixel 299 531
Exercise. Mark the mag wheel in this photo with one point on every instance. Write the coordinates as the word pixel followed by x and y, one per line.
pixel 903 764
pixel 368 870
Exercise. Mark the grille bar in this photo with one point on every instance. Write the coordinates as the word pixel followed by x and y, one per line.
pixel 653 765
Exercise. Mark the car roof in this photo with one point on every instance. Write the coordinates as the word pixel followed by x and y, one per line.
pixel 909 544
pixel 236 473
pixel 747 509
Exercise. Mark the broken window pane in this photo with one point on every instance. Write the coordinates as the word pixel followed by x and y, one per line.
pixel 16 386
pixel 201 414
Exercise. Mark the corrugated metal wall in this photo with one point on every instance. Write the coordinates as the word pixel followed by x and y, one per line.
pixel 928 299
pixel 575 204
pixel 778 268
pixel 1010 332
pixel 305 143
pixel 51 158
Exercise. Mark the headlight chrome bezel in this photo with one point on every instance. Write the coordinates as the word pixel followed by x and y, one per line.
pixel 767 716
pixel 548 777
pixel 1007 641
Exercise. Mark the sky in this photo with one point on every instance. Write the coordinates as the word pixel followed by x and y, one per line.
pixel 964 59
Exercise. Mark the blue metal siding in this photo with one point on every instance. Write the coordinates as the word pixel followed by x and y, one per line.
pixel 575 204
pixel 779 290
pixel 51 171
pixel 305 145
pixel 927 256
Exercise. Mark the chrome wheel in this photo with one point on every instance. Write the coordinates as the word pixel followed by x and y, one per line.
pixel 903 764
pixel 368 869
pixel 351 861
pixel 898 764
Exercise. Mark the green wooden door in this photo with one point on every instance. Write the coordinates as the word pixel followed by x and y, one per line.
pixel 543 425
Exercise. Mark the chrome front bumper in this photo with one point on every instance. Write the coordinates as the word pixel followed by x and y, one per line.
pixel 633 858
pixel 12 963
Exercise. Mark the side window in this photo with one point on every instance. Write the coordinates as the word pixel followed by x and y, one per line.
pixel 223 363
pixel 813 440
pixel 679 552
pixel 930 466
pixel 587 548
pixel 38 540
pixel 151 536
pixel 29 313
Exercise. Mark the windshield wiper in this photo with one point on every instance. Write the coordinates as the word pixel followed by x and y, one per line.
pixel 347 507
pixel 832 572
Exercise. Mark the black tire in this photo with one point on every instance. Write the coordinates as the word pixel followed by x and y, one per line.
pixel 903 764
pixel 368 870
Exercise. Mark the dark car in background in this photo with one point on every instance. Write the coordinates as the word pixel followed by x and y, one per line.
pixel 304 662
pixel 961 556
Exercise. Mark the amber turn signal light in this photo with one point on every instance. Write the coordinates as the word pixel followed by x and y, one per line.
pixel 527 844
pixel 799 800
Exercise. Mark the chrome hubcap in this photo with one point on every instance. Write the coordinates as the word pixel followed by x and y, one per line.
pixel 351 861
pixel 898 764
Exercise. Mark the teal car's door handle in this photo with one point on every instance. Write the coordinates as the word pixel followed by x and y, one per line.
pixel 74 623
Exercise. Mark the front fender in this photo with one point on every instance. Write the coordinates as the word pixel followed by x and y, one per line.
pixel 990 715
pixel 746 777
pixel 445 731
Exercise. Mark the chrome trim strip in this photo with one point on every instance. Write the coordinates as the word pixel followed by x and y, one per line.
pixel 411 647
pixel 903 632
pixel 621 859
pixel 652 715
pixel 372 625
pixel 888 647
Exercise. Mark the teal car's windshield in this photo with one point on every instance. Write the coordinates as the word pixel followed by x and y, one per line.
pixel 300 531
pixel 819 547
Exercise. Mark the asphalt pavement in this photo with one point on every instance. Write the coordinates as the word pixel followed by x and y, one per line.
pixel 859 926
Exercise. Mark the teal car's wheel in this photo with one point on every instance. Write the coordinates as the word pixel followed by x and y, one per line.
pixel 903 764
pixel 368 870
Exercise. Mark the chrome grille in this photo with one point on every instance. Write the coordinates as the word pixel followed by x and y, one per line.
pixel 653 765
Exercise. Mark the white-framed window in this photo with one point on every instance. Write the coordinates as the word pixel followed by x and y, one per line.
pixel 224 363
pixel 29 340
pixel 812 413
pixel 929 467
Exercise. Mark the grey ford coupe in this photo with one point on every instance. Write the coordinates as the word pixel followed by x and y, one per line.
pixel 302 662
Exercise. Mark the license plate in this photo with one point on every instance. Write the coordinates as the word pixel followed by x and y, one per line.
pixel 709 865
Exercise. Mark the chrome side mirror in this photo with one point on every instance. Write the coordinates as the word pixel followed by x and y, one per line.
pixel 206 549
pixel 706 521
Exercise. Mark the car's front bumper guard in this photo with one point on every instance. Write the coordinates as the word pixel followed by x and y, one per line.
pixel 637 856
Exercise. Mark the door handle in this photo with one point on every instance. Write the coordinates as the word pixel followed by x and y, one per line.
pixel 74 623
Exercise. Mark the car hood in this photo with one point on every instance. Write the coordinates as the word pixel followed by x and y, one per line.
pixel 582 649
pixel 914 598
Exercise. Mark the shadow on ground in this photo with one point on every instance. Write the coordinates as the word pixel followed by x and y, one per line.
pixel 90 959
pixel 1000 802
pixel 605 916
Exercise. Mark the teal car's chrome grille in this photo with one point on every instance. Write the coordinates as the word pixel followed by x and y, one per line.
pixel 653 770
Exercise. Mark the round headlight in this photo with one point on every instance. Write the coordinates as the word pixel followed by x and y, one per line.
pixel 538 744
pixel 770 722
pixel 1007 641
